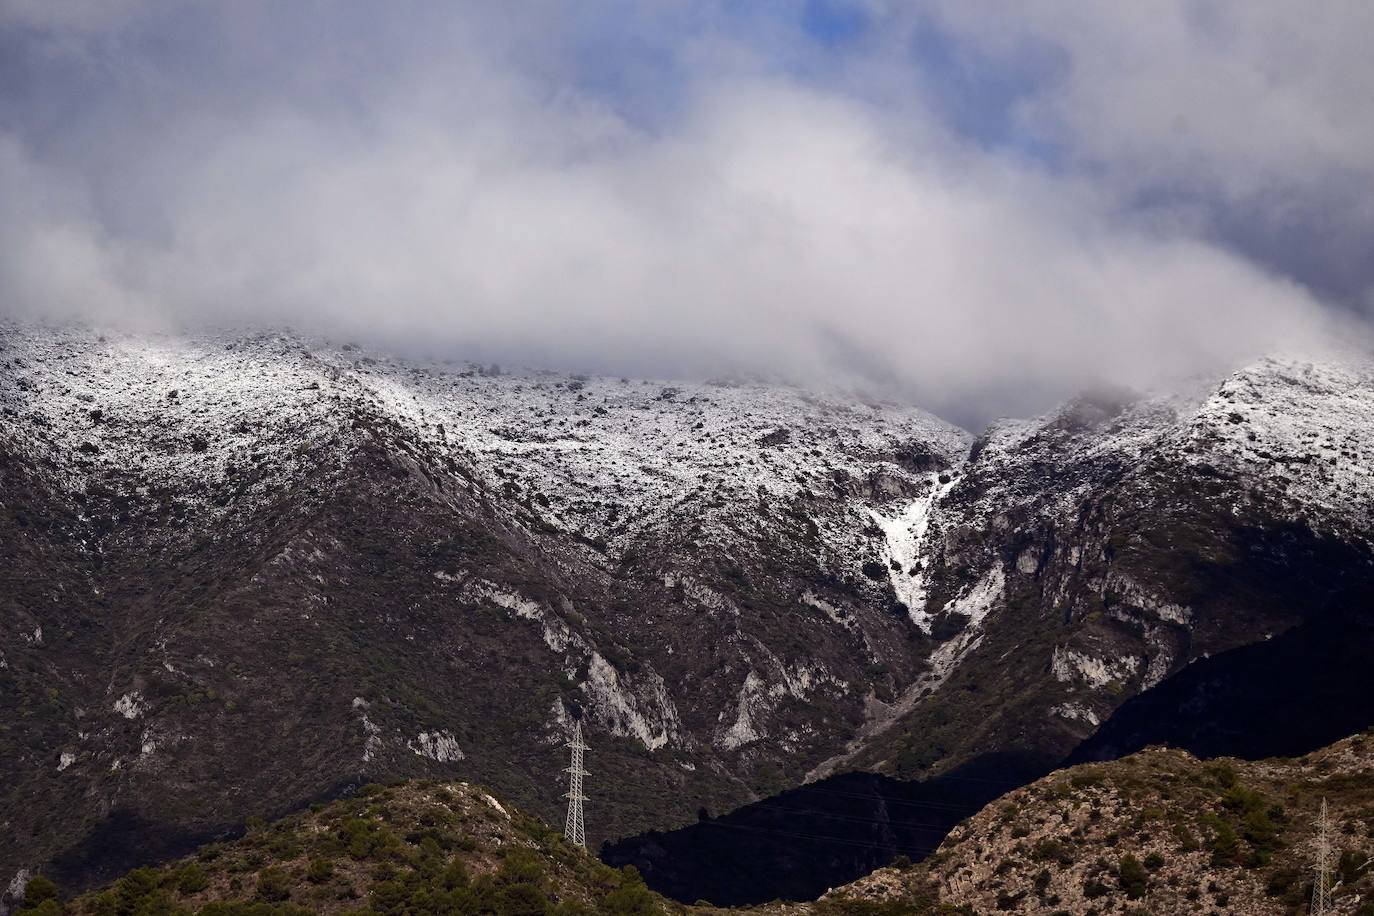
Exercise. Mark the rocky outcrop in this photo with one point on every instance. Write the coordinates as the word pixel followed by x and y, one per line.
pixel 1157 832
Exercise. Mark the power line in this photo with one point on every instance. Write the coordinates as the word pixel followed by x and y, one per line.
pixel 854 818
pixel 886 847
pixel 895 823
pixel 946 806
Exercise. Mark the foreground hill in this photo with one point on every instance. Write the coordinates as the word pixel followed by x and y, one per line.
pixel 244 573
pixel 1158 832
pixel 414 848
pixel 419 847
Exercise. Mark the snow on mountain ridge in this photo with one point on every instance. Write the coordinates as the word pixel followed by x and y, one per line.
pixel 596 456
pixel 743 582
pixel 569 442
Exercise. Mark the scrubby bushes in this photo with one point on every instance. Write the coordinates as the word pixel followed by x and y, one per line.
pixel 274 885
pixel 1047 849
pixel 192 878
pixel 40 898
pixel 319 871
pixel 1135 880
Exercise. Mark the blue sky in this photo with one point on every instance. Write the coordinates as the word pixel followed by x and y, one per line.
pixel 988 202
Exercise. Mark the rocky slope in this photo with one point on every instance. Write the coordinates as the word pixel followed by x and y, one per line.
pixel 1158 832
pixel 1092 554
pixel 420 847
pixel 247 572
pixel 243 573
pixel 1204 560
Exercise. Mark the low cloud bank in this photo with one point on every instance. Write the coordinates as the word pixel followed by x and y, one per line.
pixel 428 188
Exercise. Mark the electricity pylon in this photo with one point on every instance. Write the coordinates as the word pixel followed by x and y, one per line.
pixel 573 829
pixel 1322 887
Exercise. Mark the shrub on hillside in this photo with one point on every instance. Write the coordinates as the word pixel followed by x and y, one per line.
pixel 630 897
pixel 274 885
pixel 1134 878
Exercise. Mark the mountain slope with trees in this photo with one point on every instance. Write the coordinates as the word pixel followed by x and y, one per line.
pixel 248 572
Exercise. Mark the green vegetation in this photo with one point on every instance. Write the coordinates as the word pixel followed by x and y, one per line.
pixel 1159 825
pixel 1163 827
pixel 192 879
pixel 1135 880
pixel 409 850
pixel 40 898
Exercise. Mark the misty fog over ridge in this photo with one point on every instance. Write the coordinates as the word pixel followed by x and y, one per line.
pixel 983 211
pixel 852 380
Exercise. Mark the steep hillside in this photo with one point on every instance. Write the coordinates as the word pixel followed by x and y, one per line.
pixel 1090 555
pixel 420 847
pixel 1158 832
pixel 250 572
pixel 246 572
pixel 1173 552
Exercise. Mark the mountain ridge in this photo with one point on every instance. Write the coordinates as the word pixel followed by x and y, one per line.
pixel 233 551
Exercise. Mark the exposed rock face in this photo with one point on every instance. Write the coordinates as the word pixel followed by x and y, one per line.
pixel 1090 555
pixel 1157 832
pixel 245 572
pixel 285 569
pixel 1218 571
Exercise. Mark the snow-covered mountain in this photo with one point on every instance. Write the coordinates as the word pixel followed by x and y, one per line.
pixel 1113 541
pixel 243 572
pixel 1193 569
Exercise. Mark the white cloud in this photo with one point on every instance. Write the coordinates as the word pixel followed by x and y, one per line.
pixel 458 202
pixel 1243 90
pixel 1248 117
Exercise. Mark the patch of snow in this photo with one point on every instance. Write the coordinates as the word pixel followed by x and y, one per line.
pixel 975 604
pixel 706 596
pixel 905 536
pixel 66 759
pixel 981 598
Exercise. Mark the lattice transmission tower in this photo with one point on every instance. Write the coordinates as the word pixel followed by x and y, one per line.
pixel 573 829
pixel 1323 886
